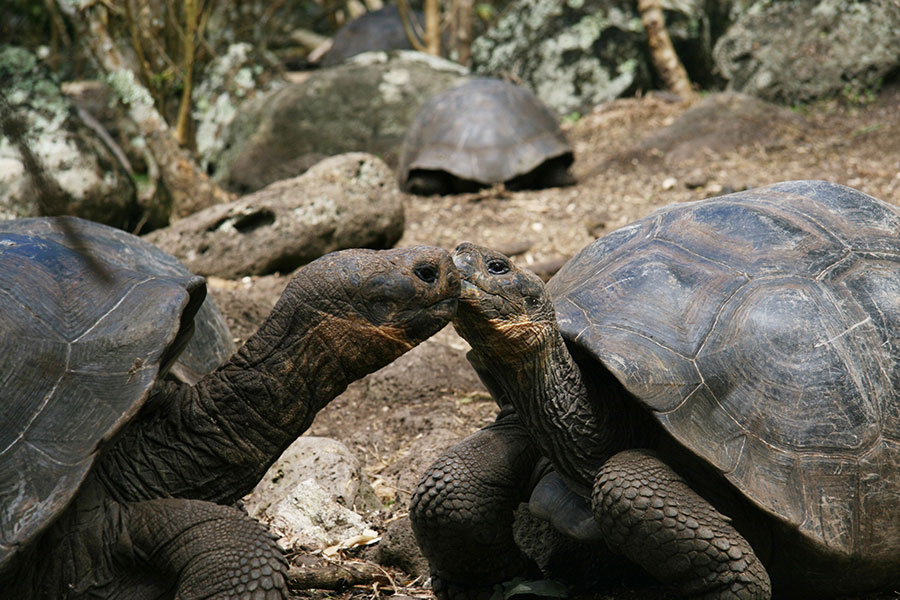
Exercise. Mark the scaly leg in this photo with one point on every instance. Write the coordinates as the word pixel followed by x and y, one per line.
pixel 650 514
pixel 462 511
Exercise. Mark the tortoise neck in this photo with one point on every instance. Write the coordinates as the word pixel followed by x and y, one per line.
pixel 216 439
pixel 572 423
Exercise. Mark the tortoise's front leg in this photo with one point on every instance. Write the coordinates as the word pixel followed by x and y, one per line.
pixel 205 550
pixel 462 511
pixel 650 514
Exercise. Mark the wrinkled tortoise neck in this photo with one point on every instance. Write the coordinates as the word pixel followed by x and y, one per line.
pixel 215 440
pixel 571 427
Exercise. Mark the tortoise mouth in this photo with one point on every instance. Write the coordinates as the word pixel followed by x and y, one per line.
pixel 469 291
pixel 445 308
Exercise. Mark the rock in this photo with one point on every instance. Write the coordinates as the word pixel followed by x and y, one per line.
pixel 335 469
pixel 307 517
pixel 721 123
pixel 398 548
pixel 96 101
pixel 59 165
pixel 345 201
pixel 232 79
pixel 308 496
pixel 798 51
pixel 365 105
pixel 575 54
pixel 696 178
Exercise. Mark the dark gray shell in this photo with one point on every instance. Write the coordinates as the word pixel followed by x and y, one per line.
pixel 375 30
pixel 88 317
pixel 485 130
pixel 763 331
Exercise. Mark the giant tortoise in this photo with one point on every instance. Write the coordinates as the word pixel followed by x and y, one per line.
pixel 483 132
pixel 375 30
pixel 116 479
pixel 717 383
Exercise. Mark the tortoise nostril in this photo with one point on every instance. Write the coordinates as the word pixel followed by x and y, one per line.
pixel 426 273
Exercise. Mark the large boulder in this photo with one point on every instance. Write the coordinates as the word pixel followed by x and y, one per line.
pixel 798 51
pixel 51 161
pixel 345 201
pixel 575 54
pixel 363 105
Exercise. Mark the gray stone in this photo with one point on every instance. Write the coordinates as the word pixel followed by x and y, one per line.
pixel 398 548
pixel 365 104
pixel 230 81
pixel 799 51
pixel 313 495
pixel 575 54
pixel 78 171
pixel 345 201
pixel 721 123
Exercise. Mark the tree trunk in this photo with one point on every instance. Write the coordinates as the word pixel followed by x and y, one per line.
pixel 190 188
pixel 432 27
pixel 462 19
pixel 183 126
pixel 663 53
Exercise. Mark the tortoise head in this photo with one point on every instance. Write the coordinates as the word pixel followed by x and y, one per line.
pixel 501 306
pixel 374 305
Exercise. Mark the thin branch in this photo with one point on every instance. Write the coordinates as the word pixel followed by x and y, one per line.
pixel 405 17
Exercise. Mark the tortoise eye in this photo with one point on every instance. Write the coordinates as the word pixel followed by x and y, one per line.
pixel 497 266
pixel 426 273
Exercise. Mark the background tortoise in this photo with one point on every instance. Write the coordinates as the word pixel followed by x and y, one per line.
pixel 113 479
pixel 380 29
pixel 734 356
pixel 483 132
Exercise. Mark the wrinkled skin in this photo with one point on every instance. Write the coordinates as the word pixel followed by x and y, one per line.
pixel 602 449
pixel 153 518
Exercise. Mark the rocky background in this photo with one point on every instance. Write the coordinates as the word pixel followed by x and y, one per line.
pixel 304 146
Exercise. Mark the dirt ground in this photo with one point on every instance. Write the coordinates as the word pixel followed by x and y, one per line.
pixel 400 419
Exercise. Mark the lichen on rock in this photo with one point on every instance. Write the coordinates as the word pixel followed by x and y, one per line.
pixel 364 104
pixel 55 149
pixel 799 51
pixel 579 53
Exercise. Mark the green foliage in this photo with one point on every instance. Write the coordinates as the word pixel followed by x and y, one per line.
pixel 486 12
pixel 856 95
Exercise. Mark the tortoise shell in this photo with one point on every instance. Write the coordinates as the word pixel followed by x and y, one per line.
pixel 380 29
pixel 485 130
pixel 89 317
pixel 762 329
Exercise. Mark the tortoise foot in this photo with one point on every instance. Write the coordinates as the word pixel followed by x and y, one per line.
pixel 449 590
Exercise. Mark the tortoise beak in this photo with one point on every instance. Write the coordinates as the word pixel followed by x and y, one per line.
pixel 467 259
